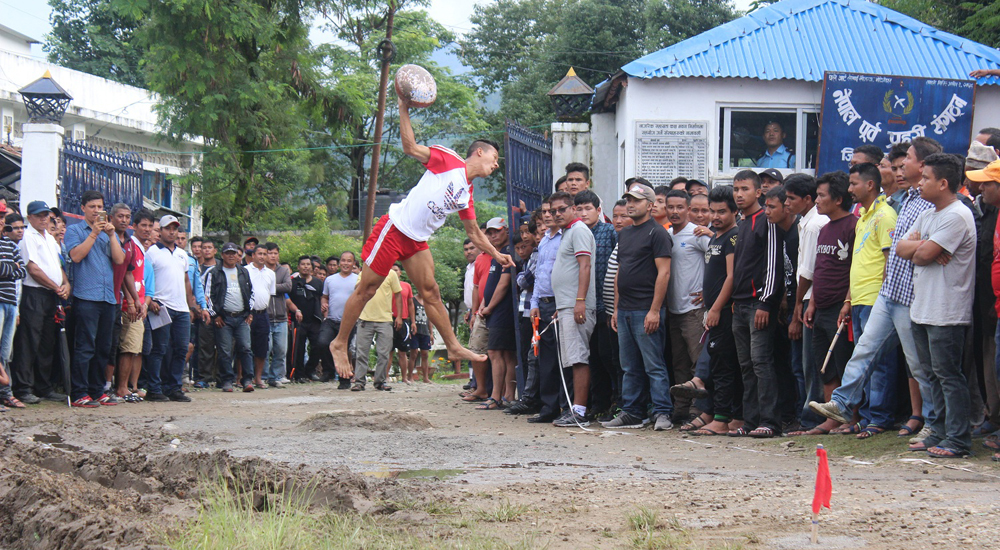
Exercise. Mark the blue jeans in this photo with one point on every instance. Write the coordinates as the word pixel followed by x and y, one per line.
pixel 275 368
pixel 942 348
pixel 642 360
pixel 92 340
pixel 888 325
pixel 234 332
pixel 166 376
pixel 811 377
pixel 880 388
pixel 8 320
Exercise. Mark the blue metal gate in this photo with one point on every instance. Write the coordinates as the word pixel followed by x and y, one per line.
pixel 84 167
pixel 528 171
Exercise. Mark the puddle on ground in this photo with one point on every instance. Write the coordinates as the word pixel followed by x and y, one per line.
pixel 414 474
pixel 54 440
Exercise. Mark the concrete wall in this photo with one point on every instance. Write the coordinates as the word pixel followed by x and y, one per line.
pixel 604 158
pixel 570 143
pixel 14 42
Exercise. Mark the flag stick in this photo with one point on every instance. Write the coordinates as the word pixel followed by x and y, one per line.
pixel 815 529
pixel 833 343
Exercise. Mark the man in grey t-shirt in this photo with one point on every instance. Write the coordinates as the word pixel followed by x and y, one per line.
pixel 573 283
pixel 337 288
pixel 945 235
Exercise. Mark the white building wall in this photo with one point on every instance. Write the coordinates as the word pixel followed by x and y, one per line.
pixel 604 158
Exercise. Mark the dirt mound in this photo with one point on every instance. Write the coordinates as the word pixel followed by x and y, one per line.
pixel 54 497
pixel 378 420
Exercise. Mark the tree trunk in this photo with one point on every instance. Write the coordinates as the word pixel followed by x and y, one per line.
pixel 244 178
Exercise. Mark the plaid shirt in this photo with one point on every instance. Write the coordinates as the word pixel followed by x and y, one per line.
pixel 607 240
pixel 898 284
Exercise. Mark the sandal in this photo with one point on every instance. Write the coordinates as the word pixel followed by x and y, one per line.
pixel 947 452
pixel 870 431
pixel 984 429
pixel 489 405
pixel 473 399
pixel 762 432
pixel 919 447
pixel 12 402
pixel 853 429
pixel 996 457
pixel 694 424
pixel 992 442
pixel 905 430
pixel 689 390
pixel 706 432
pixel 739 432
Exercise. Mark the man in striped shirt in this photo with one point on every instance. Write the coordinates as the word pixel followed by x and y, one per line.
pixel 11 271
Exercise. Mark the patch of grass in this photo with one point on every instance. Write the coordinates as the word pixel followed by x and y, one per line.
pixel 652 540
pixel 752 538
pixel 643 519
pixel 506 512
pixel 649 534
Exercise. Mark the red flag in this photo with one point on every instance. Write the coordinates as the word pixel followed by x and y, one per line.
pixel 824 486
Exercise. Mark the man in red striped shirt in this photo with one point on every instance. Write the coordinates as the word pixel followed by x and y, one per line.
pixel 445 188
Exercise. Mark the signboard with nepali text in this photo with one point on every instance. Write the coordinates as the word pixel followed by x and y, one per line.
pixel 865 109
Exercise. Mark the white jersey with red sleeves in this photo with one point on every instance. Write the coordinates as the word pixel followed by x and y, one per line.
pixel 443 189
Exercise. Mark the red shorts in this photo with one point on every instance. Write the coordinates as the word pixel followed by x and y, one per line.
pixel 388 245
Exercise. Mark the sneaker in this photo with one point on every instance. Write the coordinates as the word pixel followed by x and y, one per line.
pixel 179 396
pixel 467 387
pixel 285 380
pixel 625 420
pixel 109 400
pixel 86 402
pixel 248 388
pixel 522 407
pixel 662 422
pixel 54 396
pixel 107 387
pixel 609 416
pixel 358 386
pixel 314 377
pixel 275 384
pixel 32 399
pixel 344 384
pixel 830 410
pixel 227 387
pixel 200 385
pixel 570 419
pixel 541 418
pixel 156 397
pixel 923 434
pixel 12 402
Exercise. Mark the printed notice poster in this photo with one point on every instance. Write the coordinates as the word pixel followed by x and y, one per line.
pixel 665 150
pixel 865 109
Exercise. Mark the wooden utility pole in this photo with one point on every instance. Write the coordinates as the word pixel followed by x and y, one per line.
pixel 386 51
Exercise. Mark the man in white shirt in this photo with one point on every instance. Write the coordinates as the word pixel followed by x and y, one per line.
pixel 262 281
pixel 800 197
pixel 173 292
pixel 337 288
pixel 445 188
pixel 45 284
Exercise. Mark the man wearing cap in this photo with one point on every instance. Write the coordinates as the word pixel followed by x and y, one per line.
pixel 445 188
pixel 644 251
pixel 776 155
pixel 249 245
pixel 92 252
pixel 45 284
pixel 173 292
pixel 230 295
pixel 497 311
pixel 769 179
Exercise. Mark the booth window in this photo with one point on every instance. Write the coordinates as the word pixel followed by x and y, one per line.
pixel 782 138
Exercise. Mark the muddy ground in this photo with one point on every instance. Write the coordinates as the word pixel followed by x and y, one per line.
pixel 114 477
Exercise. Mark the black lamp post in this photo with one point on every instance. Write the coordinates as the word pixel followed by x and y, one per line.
pixel 571 97
pixel 45 100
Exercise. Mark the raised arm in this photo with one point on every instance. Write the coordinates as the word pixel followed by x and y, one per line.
pixel 410 145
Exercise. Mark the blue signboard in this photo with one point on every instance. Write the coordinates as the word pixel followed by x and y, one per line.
pixel 864 109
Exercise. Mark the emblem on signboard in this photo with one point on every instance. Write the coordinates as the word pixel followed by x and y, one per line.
pixel 896 104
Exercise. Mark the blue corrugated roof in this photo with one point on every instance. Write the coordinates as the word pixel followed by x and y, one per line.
pixel 800 39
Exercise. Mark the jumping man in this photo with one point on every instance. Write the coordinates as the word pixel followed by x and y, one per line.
pixel 445 187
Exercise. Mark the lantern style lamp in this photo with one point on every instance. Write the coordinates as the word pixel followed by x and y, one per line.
pixel 45 100
pixel 571 97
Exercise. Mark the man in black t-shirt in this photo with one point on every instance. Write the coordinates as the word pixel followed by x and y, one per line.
pixel 304 305
pixel 725 385
pixel 498 311
pixel 640 289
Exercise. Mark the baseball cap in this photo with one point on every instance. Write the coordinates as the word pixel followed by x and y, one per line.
pixel 254 240
pixel 990 173
pixel 640 191
pixel 979 156
pixel 230 247
pixel 496 223
pixel 774 174
pixel 169 219
pixel 37 207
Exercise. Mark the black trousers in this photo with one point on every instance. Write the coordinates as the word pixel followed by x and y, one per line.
pixel 328 331
pixel 549 385
pixel 605 382
pixel 726 382
pixel 35 342
pixel 788 393
pixel 306 331
pixel 528 363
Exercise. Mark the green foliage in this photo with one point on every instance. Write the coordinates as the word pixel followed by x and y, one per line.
pixel 317 241
pixel 521 48
pixel 90 36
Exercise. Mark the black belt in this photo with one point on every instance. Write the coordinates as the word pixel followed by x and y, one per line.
pixel 231 314
pixel 258 312
pixel 547 299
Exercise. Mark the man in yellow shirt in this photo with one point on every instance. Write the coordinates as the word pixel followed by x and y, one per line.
pixel 871 249
pixel 376 323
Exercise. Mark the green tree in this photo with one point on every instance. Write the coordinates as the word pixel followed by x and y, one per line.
pixel 233 72
pixel 90 36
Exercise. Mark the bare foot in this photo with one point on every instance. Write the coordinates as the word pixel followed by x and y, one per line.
pixel 830 426
pixel 461 354
pixel 341 360
pixel 426 381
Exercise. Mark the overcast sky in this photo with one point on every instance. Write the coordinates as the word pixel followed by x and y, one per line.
pixel 32 18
